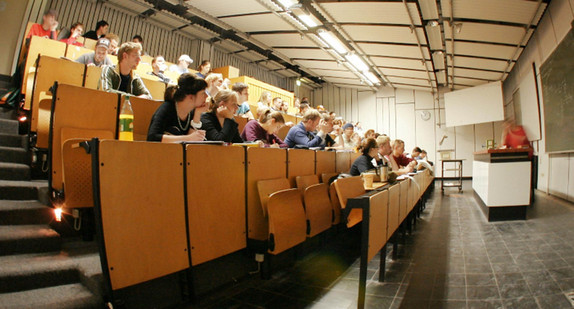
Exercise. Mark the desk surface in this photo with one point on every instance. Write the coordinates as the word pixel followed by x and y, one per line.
pixel 508 150
pixel 376 185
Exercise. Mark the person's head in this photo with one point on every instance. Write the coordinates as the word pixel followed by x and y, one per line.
pixel 303 108
pixel 277 102
pixel 130 54
pixel 158 64
pixel 333 115
pixel 328 121
pixel 321 108
pixel 358 125
pixel 204 67
pixel 271 121
pixel 102 27
pixel 370 133
pixel 225 98
pixel 184 61
pixel 189 88
pixel 348 130
pixel 114 43
pixel 384 144
pixel 311 119
pixel 423 154
pixel 284 106
pixel 296 102
pixel 305 100
pixel 49 18
pixel 265 97
pixel 242 91
pixel 398 147
pixel 101 50
pixel 369 147
pixel 416 152
pixel 137 39
pixel 214 80
pixel 76 30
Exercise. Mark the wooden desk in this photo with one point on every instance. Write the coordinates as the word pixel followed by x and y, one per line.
pixel 376 186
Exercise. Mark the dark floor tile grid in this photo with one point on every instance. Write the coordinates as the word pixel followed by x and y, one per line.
pixel 453 259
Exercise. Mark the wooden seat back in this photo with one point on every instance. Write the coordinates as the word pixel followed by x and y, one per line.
pixel 287 223
pixel 92 79
pixel 343 162
pixel 90 44
pixel 143 112
pixel 141 208
pixel 318 209
pixel 77 168
pixel 73 52
pixel 325 177
pixel 216 220
pixel 241 122
pixel 335 205
pixel 348 188
pixel 155 87
pixel 299 162
pixel 325 162
pixel 39 46
pixel 267 187
pixel 303 182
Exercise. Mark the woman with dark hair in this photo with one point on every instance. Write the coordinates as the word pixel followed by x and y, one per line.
pixel 364 163
pixel 265 129
pixel 218 123
pixel 178 118
pixel 203 69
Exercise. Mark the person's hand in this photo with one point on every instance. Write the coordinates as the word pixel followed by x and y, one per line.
pixel 224 112
pixel 409 168
pixel 323 126
pixel 196 136
pixel 91 65
pixel 274 146
pixel 202 108
pixel 260 143
pixel 54 26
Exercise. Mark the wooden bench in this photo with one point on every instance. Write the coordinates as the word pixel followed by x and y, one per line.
pixel 143 112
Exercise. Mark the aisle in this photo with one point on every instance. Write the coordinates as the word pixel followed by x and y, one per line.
pixel 454 259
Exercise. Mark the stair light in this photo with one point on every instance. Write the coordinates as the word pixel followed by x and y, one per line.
pixel 58 214
pixel 22 118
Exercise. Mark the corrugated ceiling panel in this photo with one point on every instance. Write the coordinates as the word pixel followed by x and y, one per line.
pixel 412 87
pixel 477 74
pixel 304 53
pixel 271 65
pixel 482 50
pixel 350 81
pixel 228 7
pixel 230 46
pixel 515 11
pixel 393 50
pixel 259 22
pixel 469 81
pixel 251 56
pixel 334 73
pixel 287 40
pixel 389 34
pixel 287 73
pixel 371 12
pixel 199 32
pixel 429 9
pixel 410 81
pixel 398 63
pixel 168 21
pixel 329 65
pixel 487 33
pixel 404 73
pixel 497 65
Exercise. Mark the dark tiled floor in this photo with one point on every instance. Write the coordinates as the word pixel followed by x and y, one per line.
pixel 454 259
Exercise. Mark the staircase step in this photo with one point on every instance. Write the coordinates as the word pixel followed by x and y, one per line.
pixel 8 113
pixel 23 190
pixel 24 213
pixel 60 297
pixel 16 239
pixel 14 171
pixel 12 140
pixel 14 155
pixel 8 126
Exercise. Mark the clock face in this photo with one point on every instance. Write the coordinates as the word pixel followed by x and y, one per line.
pixel 425 115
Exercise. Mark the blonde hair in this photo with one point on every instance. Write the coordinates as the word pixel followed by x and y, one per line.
pixel 213 77
pixel 397 142
pixel 127 48
pixel 382 139
pixel 265 94
pixel 311 114
pixel 268 115
pixel 222 96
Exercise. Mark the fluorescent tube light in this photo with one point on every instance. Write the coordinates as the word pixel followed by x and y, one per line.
pixel 333 41
pixel 287 3
pixel 308 20
pixel 357 62
pixel 372 77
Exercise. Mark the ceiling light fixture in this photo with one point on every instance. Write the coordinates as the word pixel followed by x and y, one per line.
pixel 433 23
pixel 308 20
pixel 287 3
pixel 357 62
pixel 372 77
pixel 332 41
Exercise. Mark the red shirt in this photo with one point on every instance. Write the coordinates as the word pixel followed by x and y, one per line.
pixel 516 137
pixel 37 30
pixel 402 160
pixel 72 41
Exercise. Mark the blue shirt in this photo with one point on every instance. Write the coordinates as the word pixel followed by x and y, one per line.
pixel 298 135
pixel 243 108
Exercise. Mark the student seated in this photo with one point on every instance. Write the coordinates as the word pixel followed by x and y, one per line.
pixel 277 104
pixel 302 134
pixel 139 39
pixel 114 43
pixel 158 65
pixel 75 32
pixel 265 129
pixel 48 27
pixel 415 154
pixel 122 77
pixel 102 27
pixel 99 57
pixel 182 65
pixel 218 122
pixel 303 108
pixel 385 156
pixel 329 142
pixel 214 84
pixel 264 100
pixel 398 159
pixel 346 138
pixel 203 69
pixel 364 163
pixel 370 133
pixel 242 91
pixel 178 118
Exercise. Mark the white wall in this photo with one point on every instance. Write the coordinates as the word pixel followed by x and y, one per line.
pixel 555 172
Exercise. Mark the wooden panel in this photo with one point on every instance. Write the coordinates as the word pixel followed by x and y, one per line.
pixel 262 163
pixel 282 133
pixel 90 44
pixel 143 112
pixel 74 52
pixel 143 210
pixel 349 188
pixel 40 46
pixel 77 168
pixel 325 162
pixel 343 162
pixel 257 87
pixel 290 118
pixel 216 221
pixel 325 177
pixel 267 187
pixel 48 71
pixel 318 208
pixel 335 204
pixel 155 87
pixel 305 181
pixel 43 123
pixel 286 220
pixel 300 162
pixel 241 122
pixel 394 209
pixel 93 74
pixel 96 112
pixel 377 222
pixel 412 194
pixel 404 199
pixel 354 156
pixel 227 71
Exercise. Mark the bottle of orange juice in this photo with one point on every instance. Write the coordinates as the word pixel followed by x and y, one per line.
pixel 126 124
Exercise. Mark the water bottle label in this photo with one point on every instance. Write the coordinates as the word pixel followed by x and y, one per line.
pixel 126 125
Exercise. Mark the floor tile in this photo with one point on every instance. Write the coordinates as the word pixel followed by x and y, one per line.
pixel 482 292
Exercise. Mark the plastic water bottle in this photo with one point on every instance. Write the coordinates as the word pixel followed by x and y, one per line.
pixel 126 123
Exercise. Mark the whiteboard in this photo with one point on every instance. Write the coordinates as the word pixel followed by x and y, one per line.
pixel 526 106
pixel 478 104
